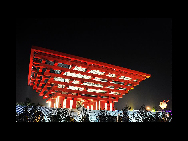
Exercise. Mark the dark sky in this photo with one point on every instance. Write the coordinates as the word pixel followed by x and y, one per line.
pixel 143 45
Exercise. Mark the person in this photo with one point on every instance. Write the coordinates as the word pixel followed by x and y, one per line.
pixel 60 106
pixel 113 109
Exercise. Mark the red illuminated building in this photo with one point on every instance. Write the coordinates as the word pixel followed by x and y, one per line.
pixel 63 79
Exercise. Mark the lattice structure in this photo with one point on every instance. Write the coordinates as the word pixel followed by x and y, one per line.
pixel 63 80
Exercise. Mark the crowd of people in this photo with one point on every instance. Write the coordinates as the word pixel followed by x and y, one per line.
pixel 30 113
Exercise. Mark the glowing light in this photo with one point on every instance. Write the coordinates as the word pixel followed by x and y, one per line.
pixel 49 103
pixel 104 80
pixel 105 106
pixel 57 71
pixel 147 76
pixel 131 109
pixel 110 106
pixel 76 82
pixel 75 88
pixel 91 107
pixel 60 86
pixel 110 87
pixel 61 79
pixel 125 78
pixel 79 69
pixel 97 79
pixel 153 110
pixel 64 103
pixel 148 108
pixel 91 90
pixel 96 72
pixel 71 103
pixel 94 90
pixel 77 75
pixel 163 105
pixel 99 91
pixel 116 93
pixel 111 75
pixel 57 102
pixel 92 84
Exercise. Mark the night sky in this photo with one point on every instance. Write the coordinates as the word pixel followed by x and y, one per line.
pixel 143 45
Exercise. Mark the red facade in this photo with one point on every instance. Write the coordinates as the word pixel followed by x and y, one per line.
pixel 63 80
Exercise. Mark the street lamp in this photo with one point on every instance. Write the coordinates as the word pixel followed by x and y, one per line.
pixel 148 108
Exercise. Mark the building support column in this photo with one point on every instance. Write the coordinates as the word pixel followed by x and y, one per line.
pixel 74 103
pixel 106 107
pixel 64 103
pixel 57 102
pixel 60 102
pixel 91 107
pixel 68 102
pixel 111 106
pixel 99 107
pixel 94 106
pixel 102 105
pixel 71 103
pixel 53 102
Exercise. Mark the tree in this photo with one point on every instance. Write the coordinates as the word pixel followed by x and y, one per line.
pixel 143 113
pixel 102 116
pixel 27 101
pixel 125 117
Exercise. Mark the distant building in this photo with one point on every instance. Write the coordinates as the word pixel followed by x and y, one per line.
pixel 63 79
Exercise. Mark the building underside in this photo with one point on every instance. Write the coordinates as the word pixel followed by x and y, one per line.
pixel 67 81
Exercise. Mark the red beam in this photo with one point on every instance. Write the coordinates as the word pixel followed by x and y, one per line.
pixel 88 61
pixel 85 97
pixel 107 71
